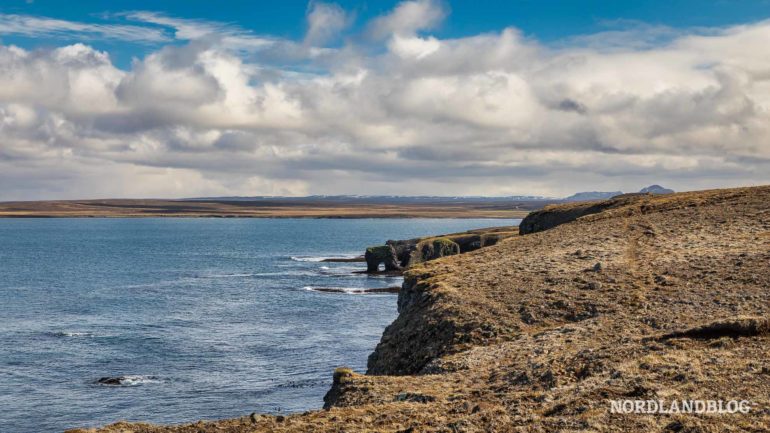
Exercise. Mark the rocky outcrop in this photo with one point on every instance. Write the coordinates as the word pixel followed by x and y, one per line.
pixel 340 378
pixel 385 254
pixel 417 336
pixel 344 259
pixel 111 380
pixel 554 215
pixel 403 254
pixel 376 290
pixel 431 249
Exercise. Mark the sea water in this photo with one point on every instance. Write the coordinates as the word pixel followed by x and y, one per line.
pixel 200 318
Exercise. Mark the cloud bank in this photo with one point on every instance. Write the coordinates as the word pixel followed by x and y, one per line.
pixel 391 109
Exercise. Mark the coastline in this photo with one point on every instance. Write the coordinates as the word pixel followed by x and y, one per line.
pixel 540 331
pixel 140 208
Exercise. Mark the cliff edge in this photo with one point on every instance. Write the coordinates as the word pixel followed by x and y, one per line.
pixel 647 297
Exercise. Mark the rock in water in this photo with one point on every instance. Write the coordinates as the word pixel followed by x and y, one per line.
pixel 381 254
pixel 111 380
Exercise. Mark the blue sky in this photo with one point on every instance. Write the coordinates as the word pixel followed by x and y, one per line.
pixel 547 21
pixel 417 97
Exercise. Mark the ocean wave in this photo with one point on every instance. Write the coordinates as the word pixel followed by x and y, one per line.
pixel 346 271
pixel 353 290
pixel 322 258
pixel 293 273
pixel 228 275
pixel 154 285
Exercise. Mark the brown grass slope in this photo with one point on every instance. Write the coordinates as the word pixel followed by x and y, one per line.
pixel 532 335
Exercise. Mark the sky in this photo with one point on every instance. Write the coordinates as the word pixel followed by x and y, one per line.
pixel 141 99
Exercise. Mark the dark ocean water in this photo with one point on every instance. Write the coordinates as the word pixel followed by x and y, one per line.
pixel 206 318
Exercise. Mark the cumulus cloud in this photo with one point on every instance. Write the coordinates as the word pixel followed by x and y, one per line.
pixel 408 18
pixel 494 114
pixel 325 21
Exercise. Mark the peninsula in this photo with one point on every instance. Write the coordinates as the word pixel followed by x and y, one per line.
pixel 642 297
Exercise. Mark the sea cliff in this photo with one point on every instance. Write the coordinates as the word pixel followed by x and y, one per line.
pixel 643 298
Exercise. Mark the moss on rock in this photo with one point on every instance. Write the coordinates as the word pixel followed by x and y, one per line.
pixel 433 248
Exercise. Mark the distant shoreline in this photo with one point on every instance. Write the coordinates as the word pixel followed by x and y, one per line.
pixel 314 209
pixel 12 217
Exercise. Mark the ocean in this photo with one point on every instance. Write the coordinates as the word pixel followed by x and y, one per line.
pixel 201 318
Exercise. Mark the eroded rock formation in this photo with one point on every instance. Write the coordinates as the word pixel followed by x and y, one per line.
pixel 403 254
pixel 381 255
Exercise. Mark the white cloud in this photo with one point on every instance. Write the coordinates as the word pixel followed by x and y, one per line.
pixel 414 47
pixel 227 35
pixel 31 26
pixel 408 18
pixel 495 113
pixel 325 21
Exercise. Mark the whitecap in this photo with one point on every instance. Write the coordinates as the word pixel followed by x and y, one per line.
pixel 136 380
pixel 300 273
pixel 227 275
pixel 322 258
pixel 348 290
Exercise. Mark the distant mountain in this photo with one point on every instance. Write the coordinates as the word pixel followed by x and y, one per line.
pixel 656 189
pixel 593 195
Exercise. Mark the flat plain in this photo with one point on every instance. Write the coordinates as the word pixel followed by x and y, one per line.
pixel 284 208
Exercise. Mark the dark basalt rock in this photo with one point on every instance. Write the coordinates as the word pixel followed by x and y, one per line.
pixel 340 379
pixel 432 249
pixel 392 289
pixel 115 381
pixel 344 259
pixel 385 254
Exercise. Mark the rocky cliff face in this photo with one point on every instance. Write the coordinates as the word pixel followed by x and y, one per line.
pixel 653 298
